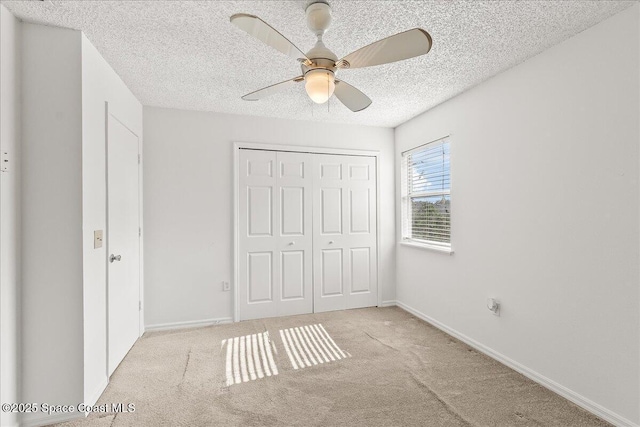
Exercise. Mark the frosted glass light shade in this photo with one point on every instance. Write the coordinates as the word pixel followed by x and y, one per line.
pixel 319 85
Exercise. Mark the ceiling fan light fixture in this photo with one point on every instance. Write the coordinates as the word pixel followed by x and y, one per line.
pixel 319 64
pixel 319 85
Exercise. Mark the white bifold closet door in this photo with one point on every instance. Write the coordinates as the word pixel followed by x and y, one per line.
pixel 275 242
pixel 306 233
pixel 344 232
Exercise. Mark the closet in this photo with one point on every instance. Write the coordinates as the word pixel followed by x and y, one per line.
pixel 306 233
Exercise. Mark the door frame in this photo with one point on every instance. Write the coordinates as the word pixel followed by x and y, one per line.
pixel 113 113
pixel 237 146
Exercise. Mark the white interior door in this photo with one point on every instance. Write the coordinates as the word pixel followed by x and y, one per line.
pixel 344 232
pixel 123 243
pixel 275 234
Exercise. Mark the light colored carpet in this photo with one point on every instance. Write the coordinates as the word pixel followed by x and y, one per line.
pixel 402 372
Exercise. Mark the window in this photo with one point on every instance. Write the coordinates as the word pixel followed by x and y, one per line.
pixel 426 198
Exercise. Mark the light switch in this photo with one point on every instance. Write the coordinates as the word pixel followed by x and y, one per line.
pixel 97 239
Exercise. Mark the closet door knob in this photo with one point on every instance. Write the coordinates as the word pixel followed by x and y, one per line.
pixel 115 258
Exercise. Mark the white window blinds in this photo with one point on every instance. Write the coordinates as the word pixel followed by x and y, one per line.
pixel 426 198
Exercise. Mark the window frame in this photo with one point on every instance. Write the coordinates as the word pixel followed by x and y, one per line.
pixel 406 198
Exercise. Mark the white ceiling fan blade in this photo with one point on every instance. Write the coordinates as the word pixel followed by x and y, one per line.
pixel 408 44
pixel 267 34
pixel 351 97
pixel 270 90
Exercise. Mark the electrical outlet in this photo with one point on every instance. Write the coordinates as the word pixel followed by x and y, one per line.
pixel 226 286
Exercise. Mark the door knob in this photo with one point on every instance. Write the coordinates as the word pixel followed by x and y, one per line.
pixel 331 242
pixel 115 258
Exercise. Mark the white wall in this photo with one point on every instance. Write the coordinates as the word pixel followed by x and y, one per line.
pixel 188 193
pixel 52 293
pixel 545 217
pixel 66 87
pixel 10 41
pixel 100 84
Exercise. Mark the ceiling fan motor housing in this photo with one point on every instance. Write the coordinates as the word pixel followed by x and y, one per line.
pixel 322 62
pixel 318 20
pixel 318 17
pixel 321 57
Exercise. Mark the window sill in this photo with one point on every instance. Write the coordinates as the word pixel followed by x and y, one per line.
pixel 428 247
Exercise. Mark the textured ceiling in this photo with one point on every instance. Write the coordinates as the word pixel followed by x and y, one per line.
pixel 186 54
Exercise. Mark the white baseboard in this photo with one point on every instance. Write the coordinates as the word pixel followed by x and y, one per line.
pixel 187 324
pixel 97 392
pixel 40 419
pixel 45 420
pixel 388 303
pixel 563 391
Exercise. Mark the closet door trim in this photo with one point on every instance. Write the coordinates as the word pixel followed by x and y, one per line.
pixel 237 146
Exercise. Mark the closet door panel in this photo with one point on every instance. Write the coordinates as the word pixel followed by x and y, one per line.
pixel 307 233
pixel 360 270
pixel 330 211
pixel 259 277
pixel 258 269
pixel 345 253
pixel 292 211
pixel 360 209
pixel 293 279
pixel 362 232
pixel 331 273
pixel 295 233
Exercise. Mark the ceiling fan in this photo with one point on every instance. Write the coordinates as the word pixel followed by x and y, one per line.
pixel 319 65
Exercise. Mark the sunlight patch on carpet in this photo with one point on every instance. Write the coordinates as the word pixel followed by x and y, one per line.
pixel 310 345
pixel 249 358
